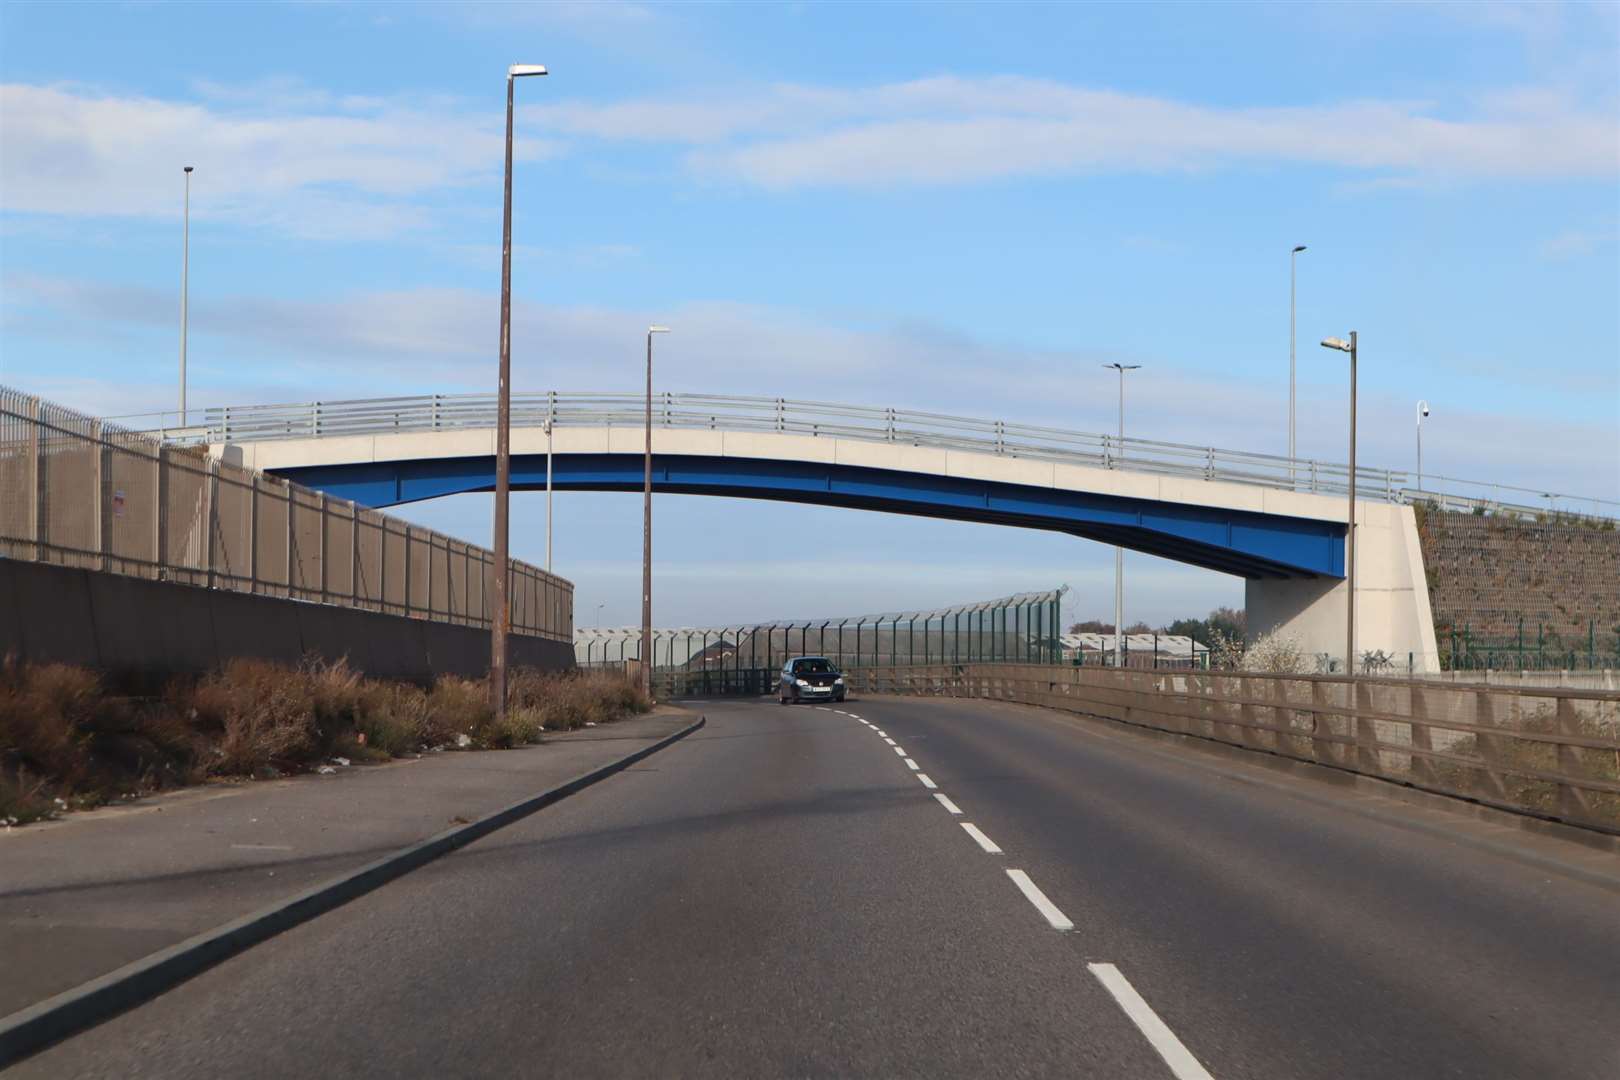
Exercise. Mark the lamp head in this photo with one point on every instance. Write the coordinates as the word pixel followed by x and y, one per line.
pixel 1298 248
pixel 657 329
pixel 1336 343
pixel 517 71
pixel 187 168
pixel 1423 408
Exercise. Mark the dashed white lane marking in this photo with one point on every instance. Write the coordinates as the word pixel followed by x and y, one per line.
pixel 881 732
pixel 900 750
pixel 927 783
pixel 983 840
pixel 912 765
pixel 888 740
pixel 1034 895
pixel 1177 1056
pixel 947 804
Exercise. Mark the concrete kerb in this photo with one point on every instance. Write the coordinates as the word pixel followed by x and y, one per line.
pixel 34 1028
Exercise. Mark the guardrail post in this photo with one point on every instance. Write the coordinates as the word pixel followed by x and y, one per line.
pixel 888 416
pixel 1001 436
pixel 1209 466
pixel 211 515
pixel 292 507
pixel 253 532
pixel 1488 779
pixel 100 488
pixel 36 480
pixel 1572 802
pixel 1418 712
pixel 315 418
pixel 160 516
pixel 1368 759
pixel 320 538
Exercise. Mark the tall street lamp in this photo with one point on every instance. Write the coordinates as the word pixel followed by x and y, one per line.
pixel 1422 411
pixel 1293 258
pixel 185 289
pixel 1119 552
pixel 502 615
pixel 646 530
pixel 1350 527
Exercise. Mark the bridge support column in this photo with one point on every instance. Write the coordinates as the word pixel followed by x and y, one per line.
pixel 1392 598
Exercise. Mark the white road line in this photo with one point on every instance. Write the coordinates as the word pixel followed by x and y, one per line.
pixel 927 783
pixel 984 841
pixel 888 740
pixel 1034 895
pixel 900 750
pixel 880 732
pixel 1177 1056
pixel 947 804
pixel 912 765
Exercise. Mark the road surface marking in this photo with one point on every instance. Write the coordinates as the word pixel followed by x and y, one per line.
pixel 947 804
pixel 927 783
pixel 888 740
pixel 1180 1060
pixel 881 732
pixel 912 765
pixel 1034 895
pixel 984 841
pixel 900 751
pixel 262 847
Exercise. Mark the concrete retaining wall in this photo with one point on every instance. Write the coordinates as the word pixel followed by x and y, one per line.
pixel 153 629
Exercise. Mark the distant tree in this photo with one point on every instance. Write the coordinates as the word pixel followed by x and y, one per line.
pixel 1227 622
pixel 1196 629
pixel 1139 628
pixel 1092 626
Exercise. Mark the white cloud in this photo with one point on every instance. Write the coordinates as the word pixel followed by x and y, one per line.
pixel 949 129
pixel 273 154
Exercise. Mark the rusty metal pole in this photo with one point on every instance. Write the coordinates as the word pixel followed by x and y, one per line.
pixel 502 615
pixel 646 530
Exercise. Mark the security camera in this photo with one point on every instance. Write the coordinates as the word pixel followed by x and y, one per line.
pixel 1425 410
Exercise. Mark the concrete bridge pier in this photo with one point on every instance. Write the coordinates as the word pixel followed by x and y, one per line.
pixel 1392 597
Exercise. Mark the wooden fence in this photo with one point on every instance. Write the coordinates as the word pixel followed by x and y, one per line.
pixel 1548 751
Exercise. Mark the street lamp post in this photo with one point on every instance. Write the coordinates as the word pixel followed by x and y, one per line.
pixel 1422 411
pixel 185 288
pixel 1119 552
pixel 1350 527
pixel 501 617
pixel 1293 258
pixel 548 496
pixel 646 529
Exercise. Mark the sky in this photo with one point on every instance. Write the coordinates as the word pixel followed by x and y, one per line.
pixel 955 207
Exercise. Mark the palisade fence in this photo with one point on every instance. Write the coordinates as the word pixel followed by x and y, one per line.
pixel 745 659
pixel 77 491
pixel 1547 751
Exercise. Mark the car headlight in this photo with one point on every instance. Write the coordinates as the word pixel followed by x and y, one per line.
pixel 801 682
pixel 838 681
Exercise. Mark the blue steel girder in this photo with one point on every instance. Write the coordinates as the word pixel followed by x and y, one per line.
pixel 1248 544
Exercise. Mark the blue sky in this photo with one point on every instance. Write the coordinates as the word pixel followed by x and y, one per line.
pixel 962 208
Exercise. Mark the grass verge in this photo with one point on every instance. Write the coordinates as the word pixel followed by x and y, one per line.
pixel 70 740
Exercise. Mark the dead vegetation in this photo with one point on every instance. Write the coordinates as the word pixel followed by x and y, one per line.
pixel 69 740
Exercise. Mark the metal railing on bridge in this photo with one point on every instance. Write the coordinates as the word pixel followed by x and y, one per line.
pixel 745 659
pixel 825 419
pixel 83 492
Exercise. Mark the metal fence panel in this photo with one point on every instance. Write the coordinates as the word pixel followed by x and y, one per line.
pixel 77 491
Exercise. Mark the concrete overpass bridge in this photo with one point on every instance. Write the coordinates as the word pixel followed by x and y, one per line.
pixel 1277 523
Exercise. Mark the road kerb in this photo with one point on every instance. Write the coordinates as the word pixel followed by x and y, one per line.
pixel 33 1029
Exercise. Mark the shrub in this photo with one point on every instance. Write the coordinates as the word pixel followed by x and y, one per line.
pixel 262 718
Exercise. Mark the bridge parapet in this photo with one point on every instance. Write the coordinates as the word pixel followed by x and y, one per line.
pixel 441 412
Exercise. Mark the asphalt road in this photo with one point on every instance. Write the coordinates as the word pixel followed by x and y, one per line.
pixel 781 894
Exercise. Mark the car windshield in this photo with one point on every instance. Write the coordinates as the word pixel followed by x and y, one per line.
pixel 813 666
